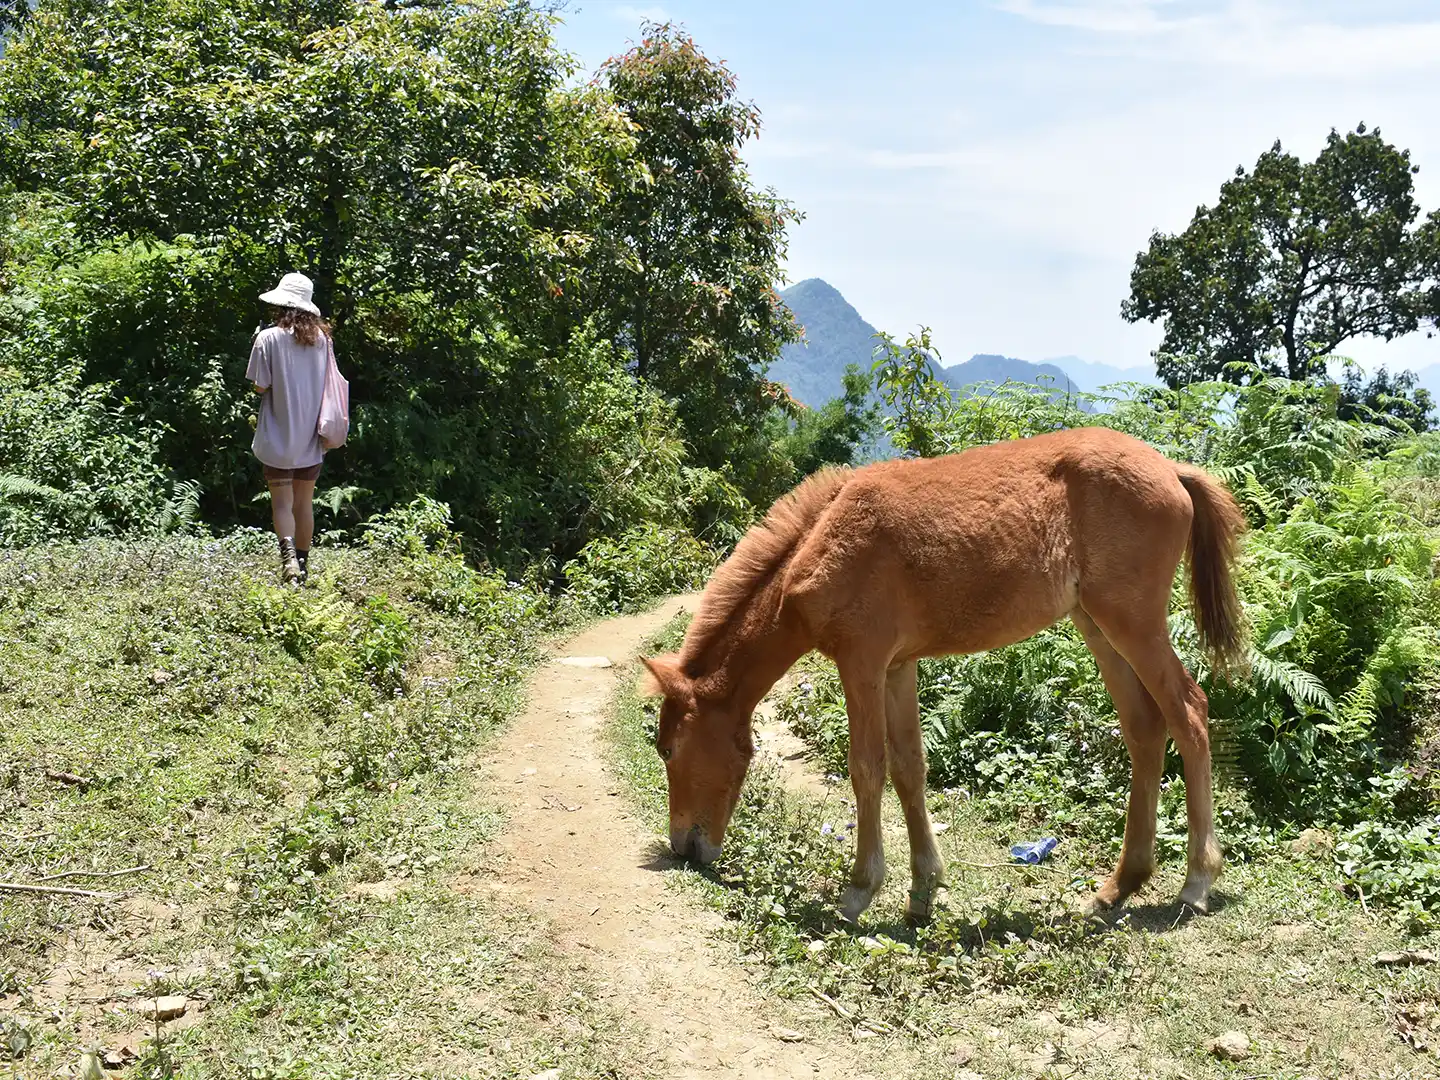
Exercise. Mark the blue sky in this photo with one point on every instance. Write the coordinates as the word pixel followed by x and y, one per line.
pixel 991 167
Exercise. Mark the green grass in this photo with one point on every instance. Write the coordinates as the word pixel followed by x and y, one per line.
pixel 1010 966
pixel 294 772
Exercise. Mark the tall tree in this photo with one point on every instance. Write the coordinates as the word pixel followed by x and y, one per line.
pixel 694 249
pixel 432 166
pixel 381 150
pixel 1294 259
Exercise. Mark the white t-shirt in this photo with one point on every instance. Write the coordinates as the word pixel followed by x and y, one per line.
pixel 285 436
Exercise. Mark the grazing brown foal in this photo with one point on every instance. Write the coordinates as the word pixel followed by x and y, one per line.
pixel 880 566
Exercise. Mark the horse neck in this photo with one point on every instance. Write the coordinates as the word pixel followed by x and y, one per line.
pixel 766 646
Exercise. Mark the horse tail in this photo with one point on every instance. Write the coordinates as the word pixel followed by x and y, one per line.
pixel 1214 544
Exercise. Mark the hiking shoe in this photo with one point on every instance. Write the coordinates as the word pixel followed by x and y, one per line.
pixel 289 562
pixel 304 560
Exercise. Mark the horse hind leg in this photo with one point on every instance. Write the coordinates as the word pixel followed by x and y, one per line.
pixel 1143 726
pixel 1186 712
pixel 907 772
pixel 865 704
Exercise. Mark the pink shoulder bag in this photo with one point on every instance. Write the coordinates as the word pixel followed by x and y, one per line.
pixel 334 423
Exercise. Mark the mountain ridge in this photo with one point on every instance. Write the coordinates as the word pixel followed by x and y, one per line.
pixel 836 335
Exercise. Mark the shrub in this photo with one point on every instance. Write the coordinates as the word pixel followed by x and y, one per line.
pixel 644 563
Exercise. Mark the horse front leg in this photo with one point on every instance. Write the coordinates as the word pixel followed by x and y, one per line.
pixel 907 772
pixel 865 704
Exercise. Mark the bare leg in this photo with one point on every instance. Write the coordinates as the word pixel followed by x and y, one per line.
pixel 865 702
pixel 282 507
pixel 907 772
pixel 1187 713
pixel 1143 726
pixel 304 513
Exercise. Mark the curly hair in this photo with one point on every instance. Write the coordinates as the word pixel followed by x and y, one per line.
pixel 307 328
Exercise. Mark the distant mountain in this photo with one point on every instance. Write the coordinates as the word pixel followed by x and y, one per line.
pixel 1090 377
pixel 991 367
pixel 836 336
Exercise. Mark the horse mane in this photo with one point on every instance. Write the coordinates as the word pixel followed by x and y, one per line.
pixel 761 551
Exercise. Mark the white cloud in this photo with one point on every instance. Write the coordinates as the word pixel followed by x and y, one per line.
pixel 1265 38
pixel 1124 17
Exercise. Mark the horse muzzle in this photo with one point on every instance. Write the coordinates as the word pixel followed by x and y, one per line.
pixel 692 843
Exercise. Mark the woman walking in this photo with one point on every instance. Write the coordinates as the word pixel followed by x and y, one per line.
pixel 287 367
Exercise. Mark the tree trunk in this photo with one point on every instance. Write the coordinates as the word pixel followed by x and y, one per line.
pixel 327 273
pixel 1297 366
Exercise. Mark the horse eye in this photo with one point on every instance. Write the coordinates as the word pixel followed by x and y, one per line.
pixel 665 752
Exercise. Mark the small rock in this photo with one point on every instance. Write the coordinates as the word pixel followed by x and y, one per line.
pixel 90 1068
pixel 1231 1046
pixel 1048 1026
pixel 159 677
pixel 1312 842
pixel 963 1054
pixel 587 661
pixel 169 1007
pixel 968 1074
pixel 1406 958
pixel 785 1034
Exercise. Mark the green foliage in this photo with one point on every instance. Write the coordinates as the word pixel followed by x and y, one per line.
pixel 641 565
pixel 1394 400
pixel 695 249
pixel 73 465
pixel 1295 257
pixel 831 434
pixel 484 230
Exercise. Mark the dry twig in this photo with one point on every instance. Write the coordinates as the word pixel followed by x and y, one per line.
pixel 96 873
pixel 52 890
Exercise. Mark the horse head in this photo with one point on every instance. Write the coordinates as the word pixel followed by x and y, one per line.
pixel 707 750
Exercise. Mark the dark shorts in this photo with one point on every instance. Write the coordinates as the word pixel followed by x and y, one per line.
pixel 273 474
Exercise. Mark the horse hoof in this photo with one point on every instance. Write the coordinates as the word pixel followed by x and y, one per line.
pixel 853 905
pixel 1106 898
pixel 1196 896
pixel 919 909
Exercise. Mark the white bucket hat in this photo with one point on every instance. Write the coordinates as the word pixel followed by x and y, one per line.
pixel 294 291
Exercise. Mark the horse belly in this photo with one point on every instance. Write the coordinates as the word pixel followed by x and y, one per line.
pixel 992 583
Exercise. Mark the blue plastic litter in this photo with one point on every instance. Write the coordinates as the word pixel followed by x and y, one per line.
pixel 1033 851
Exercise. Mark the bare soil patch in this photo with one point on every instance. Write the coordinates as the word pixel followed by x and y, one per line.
pixel 574 854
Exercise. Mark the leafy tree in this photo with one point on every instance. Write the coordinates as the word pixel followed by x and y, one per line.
pixel 831 434
pixel 12 14
pixel 1295 257
pixel 693 251
pixel 1396 400
pixel 431 167
pixel 386 152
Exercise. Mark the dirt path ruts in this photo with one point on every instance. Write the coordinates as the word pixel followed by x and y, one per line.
pixel 575 855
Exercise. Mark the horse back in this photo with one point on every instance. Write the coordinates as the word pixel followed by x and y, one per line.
pixel 984 548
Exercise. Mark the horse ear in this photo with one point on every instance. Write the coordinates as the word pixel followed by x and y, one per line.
pixel 663 677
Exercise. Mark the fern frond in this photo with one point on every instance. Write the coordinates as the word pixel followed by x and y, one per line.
pixel 22 487
pixel 1294 682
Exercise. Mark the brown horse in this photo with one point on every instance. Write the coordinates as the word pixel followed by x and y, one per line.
pixel 880 566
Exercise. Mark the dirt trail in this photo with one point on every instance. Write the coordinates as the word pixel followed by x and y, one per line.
pixel 574 854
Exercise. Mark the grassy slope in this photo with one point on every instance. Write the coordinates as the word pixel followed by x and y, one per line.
pixel 1009 981
pixel 295 772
